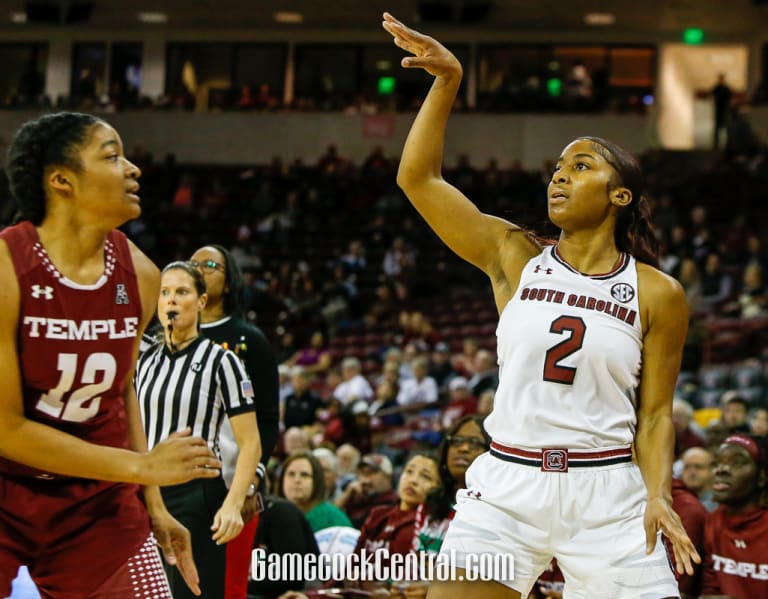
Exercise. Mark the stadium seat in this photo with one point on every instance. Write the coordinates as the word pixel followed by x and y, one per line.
pixel 748 374
pixel 714 376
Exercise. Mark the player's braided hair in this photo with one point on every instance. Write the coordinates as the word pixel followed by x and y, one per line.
pixel 51 140
pixel 634 228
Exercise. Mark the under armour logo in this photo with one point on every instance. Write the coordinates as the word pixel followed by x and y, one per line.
pixel 740 543
pixel 46 292
pixel 122 295
pixel 539 269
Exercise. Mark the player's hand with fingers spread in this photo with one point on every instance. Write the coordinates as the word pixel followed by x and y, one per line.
pixel 227 523
pixel 428 53
pixel 659 515
pixel 179 459
pixel 176 544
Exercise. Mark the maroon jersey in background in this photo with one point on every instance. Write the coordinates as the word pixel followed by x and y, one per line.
pixel 693 514
pixel 75 346
pixel 388 527
pixel 736 548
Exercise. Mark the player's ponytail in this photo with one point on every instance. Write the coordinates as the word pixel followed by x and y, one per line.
pixel 634 231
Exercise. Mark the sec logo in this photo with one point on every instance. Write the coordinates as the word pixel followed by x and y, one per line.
pixel 623 292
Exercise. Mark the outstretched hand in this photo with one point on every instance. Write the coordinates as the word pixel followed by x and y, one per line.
pixel 176 545
pixel 659 515
pixel 428 53
pixel 179 459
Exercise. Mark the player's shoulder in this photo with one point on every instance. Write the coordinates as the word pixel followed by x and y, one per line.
pixel 657 286
pixel 145 268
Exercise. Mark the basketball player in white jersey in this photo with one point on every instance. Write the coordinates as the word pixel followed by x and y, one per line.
pixel 590 340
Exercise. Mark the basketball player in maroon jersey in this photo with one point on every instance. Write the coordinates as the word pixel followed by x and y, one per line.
pixel 736 533
pixel 75 296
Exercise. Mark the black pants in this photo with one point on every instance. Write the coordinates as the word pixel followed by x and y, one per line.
pixel 194 504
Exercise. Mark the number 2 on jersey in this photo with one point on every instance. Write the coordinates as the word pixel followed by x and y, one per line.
pixel 554 372
pixel 72 410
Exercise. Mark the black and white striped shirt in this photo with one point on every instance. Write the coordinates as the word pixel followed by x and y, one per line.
pixel 195 387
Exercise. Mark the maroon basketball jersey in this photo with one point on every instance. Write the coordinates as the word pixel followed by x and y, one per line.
pixel 736 548
pixel 75 341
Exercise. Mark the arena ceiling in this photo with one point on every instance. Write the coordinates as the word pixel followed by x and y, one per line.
pixel 718 17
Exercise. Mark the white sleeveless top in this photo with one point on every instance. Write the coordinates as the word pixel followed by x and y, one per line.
pixel 569 352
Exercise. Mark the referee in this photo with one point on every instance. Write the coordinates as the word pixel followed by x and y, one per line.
pixel 222 322
pixel 190 382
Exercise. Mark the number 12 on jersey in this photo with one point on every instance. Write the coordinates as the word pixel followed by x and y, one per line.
pixel 74 409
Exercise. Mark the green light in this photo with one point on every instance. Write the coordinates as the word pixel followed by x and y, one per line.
pixel 554 87
pixel 386 86
pixel 694 35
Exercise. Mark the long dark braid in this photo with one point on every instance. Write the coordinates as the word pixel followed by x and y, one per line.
pixel 634 231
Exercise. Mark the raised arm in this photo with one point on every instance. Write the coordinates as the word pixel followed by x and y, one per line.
pixel 665 319
pixel 490 243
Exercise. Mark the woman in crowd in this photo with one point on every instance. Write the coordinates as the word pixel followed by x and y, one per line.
pixel 302 481
pixel 190 381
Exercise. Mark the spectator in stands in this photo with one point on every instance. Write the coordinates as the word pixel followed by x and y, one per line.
pixel 465 440
pixel 685 435
pixel 287 349
pixel 184 197
pixel 315 358
pixel 330 464
pixel 349 458
pixel 354 385
pixel 399 260
pixel 283 530
pixel 753 298
pixel 690 279
pixel 384 406
pixel 371 488
pixel 392 527
pixel 464 362
pixel 419 390
pixel 697 474
pixel 353 263
pixel 461 402
pixel 722 94
pixel 734 416
pixel 758 423
pixel 356 425
pixel 286 387
pixel 486 373
pixel 440 367
pixel 716 284
pixel 302 404
pixel 485 402
pixel 736 533
pixel 302 482
pixel 295 440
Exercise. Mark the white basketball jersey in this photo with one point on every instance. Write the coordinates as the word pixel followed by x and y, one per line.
pixel 569 351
